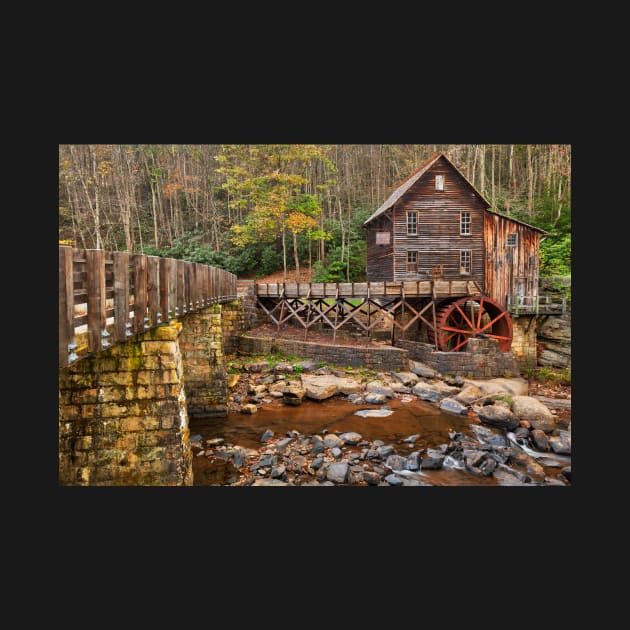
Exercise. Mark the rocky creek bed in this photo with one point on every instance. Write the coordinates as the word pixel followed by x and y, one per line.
pixel 299 424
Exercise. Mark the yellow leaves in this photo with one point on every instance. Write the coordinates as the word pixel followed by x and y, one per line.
pixel 298 222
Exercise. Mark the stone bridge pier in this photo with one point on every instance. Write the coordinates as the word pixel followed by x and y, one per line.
pixel 124 412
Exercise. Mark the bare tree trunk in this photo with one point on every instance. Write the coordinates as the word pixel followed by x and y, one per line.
pixel 296 257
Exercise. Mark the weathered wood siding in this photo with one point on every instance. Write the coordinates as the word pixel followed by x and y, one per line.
pixel 379 257
pixel 510 269
pixel 438 241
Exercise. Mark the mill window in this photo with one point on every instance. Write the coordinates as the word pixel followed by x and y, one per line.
pixel 412 262
pixel 412 222
pixel 464 223
pixel 465 261
pixel 439 182
pixel 512 239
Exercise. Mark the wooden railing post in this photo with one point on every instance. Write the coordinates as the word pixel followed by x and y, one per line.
pixel 140 292
pixel 66 308
pixel 121 296
pixel 164 282
pixel 153 289
pixel 95 260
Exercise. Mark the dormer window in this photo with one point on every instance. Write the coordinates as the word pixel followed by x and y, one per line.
pixel 439 182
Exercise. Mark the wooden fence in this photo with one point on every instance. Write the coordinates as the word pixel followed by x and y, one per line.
pixel 114 295
pixel 537 304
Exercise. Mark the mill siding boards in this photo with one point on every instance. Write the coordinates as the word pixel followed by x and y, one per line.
pixel 495 266
pixel 508 267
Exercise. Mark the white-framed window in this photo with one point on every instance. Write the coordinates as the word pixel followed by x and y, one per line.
pixel 412 222
pixel 412 262
pixel 512 239
pixel 465 261
pixel 439 182
pixel 464 223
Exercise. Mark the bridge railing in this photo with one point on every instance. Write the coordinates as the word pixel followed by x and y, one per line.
pixel 106 297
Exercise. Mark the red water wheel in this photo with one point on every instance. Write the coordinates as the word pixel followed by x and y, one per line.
pixel 473 316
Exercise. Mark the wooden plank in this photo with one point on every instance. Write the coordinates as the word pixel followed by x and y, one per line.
pixel 181 265
pixel 164 287
pixel 199 277
pixel 206 285
pixel 121 295
pixel 188 286
pixel 96 298
pixel 140 291
pixel 172 288
pixel 153 263
pixel 66 304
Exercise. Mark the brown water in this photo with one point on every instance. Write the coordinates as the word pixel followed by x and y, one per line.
pixel 337 415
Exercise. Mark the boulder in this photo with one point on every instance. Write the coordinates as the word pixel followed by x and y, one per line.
pixel 421 369
pixel 535 412
pixel 377 387
pixel 561 443
pixel 497 416
pixel 408 379
pixel 453 406
pixel 512 386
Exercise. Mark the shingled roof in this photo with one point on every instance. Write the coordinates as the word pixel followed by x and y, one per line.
pixel 406 184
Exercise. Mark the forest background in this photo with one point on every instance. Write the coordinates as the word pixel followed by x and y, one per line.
pixel 296 209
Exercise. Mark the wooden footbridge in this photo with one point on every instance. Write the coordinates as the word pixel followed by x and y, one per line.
pixel 106 297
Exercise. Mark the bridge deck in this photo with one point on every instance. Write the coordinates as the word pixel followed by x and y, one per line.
pixel 348 290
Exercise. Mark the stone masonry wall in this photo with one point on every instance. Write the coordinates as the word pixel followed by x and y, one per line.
pixel 122 415
pixel 378 359
pixel 524 340
pixel 240 315
pixel 484 360
pixel 201 345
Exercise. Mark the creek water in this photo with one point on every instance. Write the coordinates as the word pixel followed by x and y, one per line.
pixel 338 415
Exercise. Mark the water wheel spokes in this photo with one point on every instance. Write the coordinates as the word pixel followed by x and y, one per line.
pixel 468 317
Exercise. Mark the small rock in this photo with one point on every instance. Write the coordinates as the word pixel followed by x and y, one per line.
pixel 384 451
pixel 331 440
pixel 395 462
pixel 266 435
pixel 249 409
pixel 561 443
pixel 371 478
pixel 351 438
pixel 316 464
pixel 375 399
pixel 413 462
pixel 278 471
pixel 394 480
pixel 336 452
pixel 337 472
pixel 539 439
